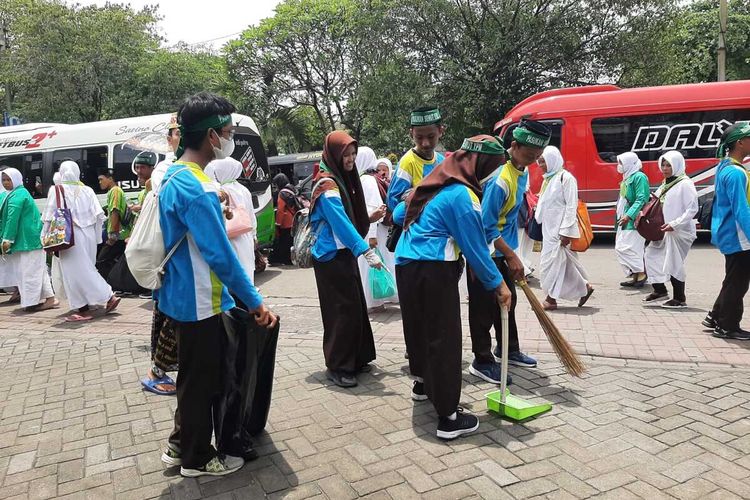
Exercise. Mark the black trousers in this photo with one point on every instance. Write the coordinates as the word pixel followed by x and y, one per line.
pixel 431 313
pixel 677 285
pixel 728 308
pixel 282 247
pixel 348 343
pixel 199 389
pixel 107 257
pixel 484 313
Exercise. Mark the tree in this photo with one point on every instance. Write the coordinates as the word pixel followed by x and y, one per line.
pixel 164 78
pixel 686 49
pixel 74 63
pixel 490 54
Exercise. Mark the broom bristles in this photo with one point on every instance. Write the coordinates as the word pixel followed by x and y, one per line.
pixel 564 351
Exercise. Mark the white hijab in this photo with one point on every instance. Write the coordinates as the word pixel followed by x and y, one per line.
pixel 56 179
pixel 630 164
pixel 16 177
pixel 387 163
pixel 366 159
pixel 226 172
pixel 554 160
pixel 675 159
pixel 80 199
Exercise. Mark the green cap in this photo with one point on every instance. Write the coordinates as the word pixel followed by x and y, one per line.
pixel 738 131
pixel 428 117
pixel 485 146
pixel 532 133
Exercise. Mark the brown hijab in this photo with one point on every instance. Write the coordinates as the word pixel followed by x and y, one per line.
pixel 348 183
pixel 462 167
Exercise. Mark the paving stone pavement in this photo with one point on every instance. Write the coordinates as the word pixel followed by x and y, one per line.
pixel 75 424
pixel 662 413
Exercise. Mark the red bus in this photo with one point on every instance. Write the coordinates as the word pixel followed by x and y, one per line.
pixel 592 125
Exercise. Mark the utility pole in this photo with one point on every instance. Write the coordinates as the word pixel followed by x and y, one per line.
pixel 5 48
pixel 722 54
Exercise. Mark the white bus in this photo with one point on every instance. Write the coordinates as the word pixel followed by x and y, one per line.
pixel 37 149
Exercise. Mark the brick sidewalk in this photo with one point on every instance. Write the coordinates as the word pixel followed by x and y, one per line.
pixel 76 424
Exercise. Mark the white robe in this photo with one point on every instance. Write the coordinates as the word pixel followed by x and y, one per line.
pixel 33 279
pixel 629 245
pixel 83 284
pixel 562 275
pixel 244 244
pixel 666 258
pixel 380 232
pixel 8 271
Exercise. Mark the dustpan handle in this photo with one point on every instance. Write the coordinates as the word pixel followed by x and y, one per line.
pixel 504 351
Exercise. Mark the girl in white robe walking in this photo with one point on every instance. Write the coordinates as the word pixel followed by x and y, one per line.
pixel 84 286
pixel 629 244
pixel 562 275
pixel 665 259
pixel 226 172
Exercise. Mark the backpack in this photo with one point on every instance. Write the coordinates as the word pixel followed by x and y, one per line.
pixel 650 219
pixel 145 253
pixel 583 242
pixel 296 203
pixel 303 235
pixel 705 212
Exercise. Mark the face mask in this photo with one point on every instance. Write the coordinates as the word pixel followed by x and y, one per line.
pixel 226 149
pixel 620 168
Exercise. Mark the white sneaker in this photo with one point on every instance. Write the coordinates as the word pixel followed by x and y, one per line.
pixel 217 466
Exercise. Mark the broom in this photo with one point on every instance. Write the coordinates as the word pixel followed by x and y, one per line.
pixel 566 354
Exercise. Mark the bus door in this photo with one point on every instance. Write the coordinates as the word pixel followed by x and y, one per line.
pixel 248 149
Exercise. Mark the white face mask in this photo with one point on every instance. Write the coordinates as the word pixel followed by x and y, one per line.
pixel 226 149
pixel 620 168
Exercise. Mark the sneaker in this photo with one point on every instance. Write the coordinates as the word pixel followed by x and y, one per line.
pixel 489 372
pixel 739 334
pixel 417 392
pixel 217 466
pixel 709 322
pixel 518 358
pixel 463 424
pixel 341 379
pixel 171 457
pixel 654 296
pixel 674 304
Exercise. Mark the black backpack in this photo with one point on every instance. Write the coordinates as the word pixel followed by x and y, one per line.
pixel 705 212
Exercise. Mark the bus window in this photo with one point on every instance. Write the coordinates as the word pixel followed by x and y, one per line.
pixel 91 161
pixel 123 167
pixel 554 125
pixel 30 166
pixel 695 134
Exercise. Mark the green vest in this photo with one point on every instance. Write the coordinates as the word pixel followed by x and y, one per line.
pixel 21 221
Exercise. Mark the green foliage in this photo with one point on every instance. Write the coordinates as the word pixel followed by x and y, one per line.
pixel 76 64
pixel 71 63
pixel 686 47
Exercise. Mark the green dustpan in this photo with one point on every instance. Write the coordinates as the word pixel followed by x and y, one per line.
pixel 502 401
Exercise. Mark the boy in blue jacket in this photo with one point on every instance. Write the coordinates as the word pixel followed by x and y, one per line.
pixel 730 232
pixel 197 280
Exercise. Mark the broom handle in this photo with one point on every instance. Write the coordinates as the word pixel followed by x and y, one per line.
pixel 504 350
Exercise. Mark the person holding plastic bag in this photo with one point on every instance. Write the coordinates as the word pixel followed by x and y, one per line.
pixel 339 217
pixel 377 293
